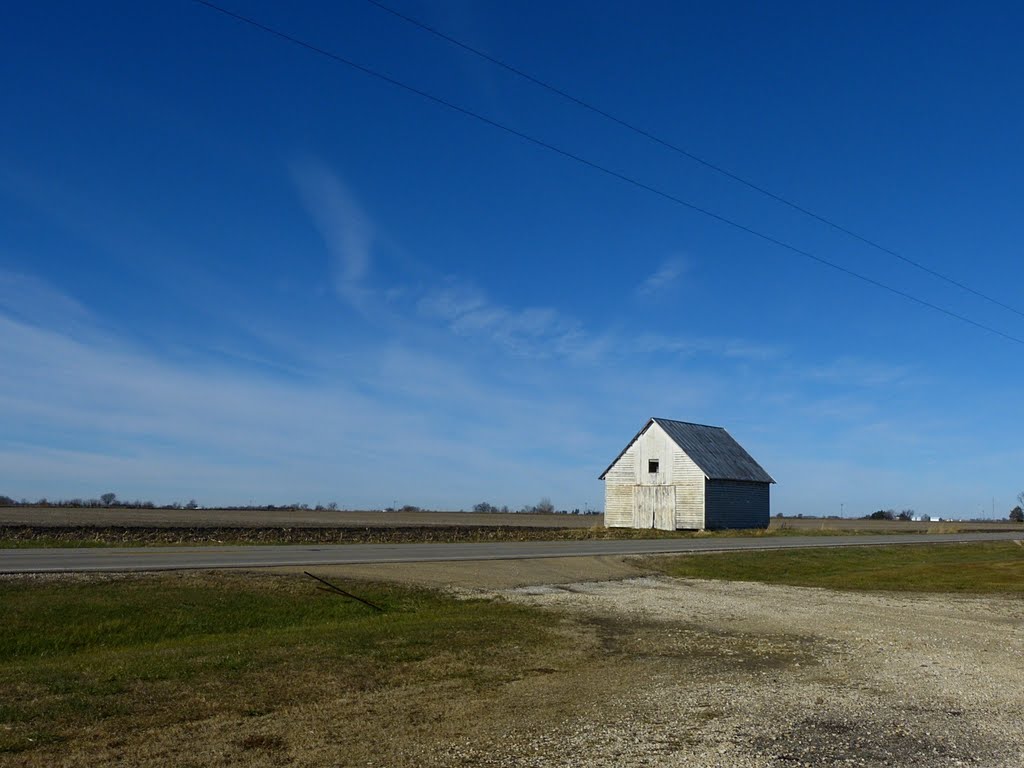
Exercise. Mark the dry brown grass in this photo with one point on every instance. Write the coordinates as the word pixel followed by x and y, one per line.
pixel 229 669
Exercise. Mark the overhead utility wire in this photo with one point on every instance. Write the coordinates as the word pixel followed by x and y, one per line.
pixel 607 171
pixel 686 153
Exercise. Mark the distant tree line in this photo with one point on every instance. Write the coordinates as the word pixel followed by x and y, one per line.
pixel 542 507
pixel 105 501
pixel 892 514
pixel 110 500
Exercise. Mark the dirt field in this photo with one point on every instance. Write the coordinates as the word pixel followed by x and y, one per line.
pixel 235 518
pixel 184 519
pixel 891 526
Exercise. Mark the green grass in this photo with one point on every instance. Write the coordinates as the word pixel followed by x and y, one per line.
pixel 977 568
pixel 87 656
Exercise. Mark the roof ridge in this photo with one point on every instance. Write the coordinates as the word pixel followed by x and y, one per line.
pixel 691 423
pixel 718 456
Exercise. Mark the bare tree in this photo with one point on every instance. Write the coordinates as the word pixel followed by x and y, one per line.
pixel 544 507
pixel 108 499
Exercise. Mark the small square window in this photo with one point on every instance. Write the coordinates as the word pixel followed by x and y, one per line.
pixel 652 466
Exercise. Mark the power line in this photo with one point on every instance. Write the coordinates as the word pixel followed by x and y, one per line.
pixel 607 171
pixel 686 153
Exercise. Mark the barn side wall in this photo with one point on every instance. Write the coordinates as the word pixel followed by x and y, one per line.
pixel 618 490
pixel 736 504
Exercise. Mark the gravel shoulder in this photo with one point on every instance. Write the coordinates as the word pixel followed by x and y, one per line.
pixel 741 674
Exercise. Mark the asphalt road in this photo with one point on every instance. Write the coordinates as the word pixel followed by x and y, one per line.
pixel 179 558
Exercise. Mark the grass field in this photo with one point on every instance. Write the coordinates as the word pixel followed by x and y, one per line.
pixel 973 568
pixel 93 661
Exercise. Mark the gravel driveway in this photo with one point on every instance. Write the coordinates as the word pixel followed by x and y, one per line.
pixel 736 674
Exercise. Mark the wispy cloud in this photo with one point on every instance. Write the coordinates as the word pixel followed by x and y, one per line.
pixel 82 416
pixel 856 371
pixel 471 395
pixel 87 413
pixel 738 349
pixel 34 300
pixel 345 227
pixel 535 332
pixel 544 332
pixel 661 279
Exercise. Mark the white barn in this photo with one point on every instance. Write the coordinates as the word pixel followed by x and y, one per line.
pixel 676 475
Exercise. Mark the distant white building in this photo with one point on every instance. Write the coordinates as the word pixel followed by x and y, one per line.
pixel 675 475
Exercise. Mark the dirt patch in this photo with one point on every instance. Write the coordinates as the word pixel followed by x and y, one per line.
pixel 838 742
pixel 485 574
pixel 712 650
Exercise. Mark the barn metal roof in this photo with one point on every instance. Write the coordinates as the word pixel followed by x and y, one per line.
pixel 712 449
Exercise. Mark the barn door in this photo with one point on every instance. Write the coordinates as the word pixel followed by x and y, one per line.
pixel 655 507
pixel 665 508
pixel 643 506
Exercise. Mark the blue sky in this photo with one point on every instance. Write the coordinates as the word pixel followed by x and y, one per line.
pixel 233 270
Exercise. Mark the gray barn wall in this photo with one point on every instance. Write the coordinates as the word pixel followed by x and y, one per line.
pixel 736 504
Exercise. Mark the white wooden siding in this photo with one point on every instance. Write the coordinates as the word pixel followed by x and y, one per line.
pixel 674 468
pixel 618 490
pixel 654 507
pixel 689 491
pixel 626 478
pixel 654 445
